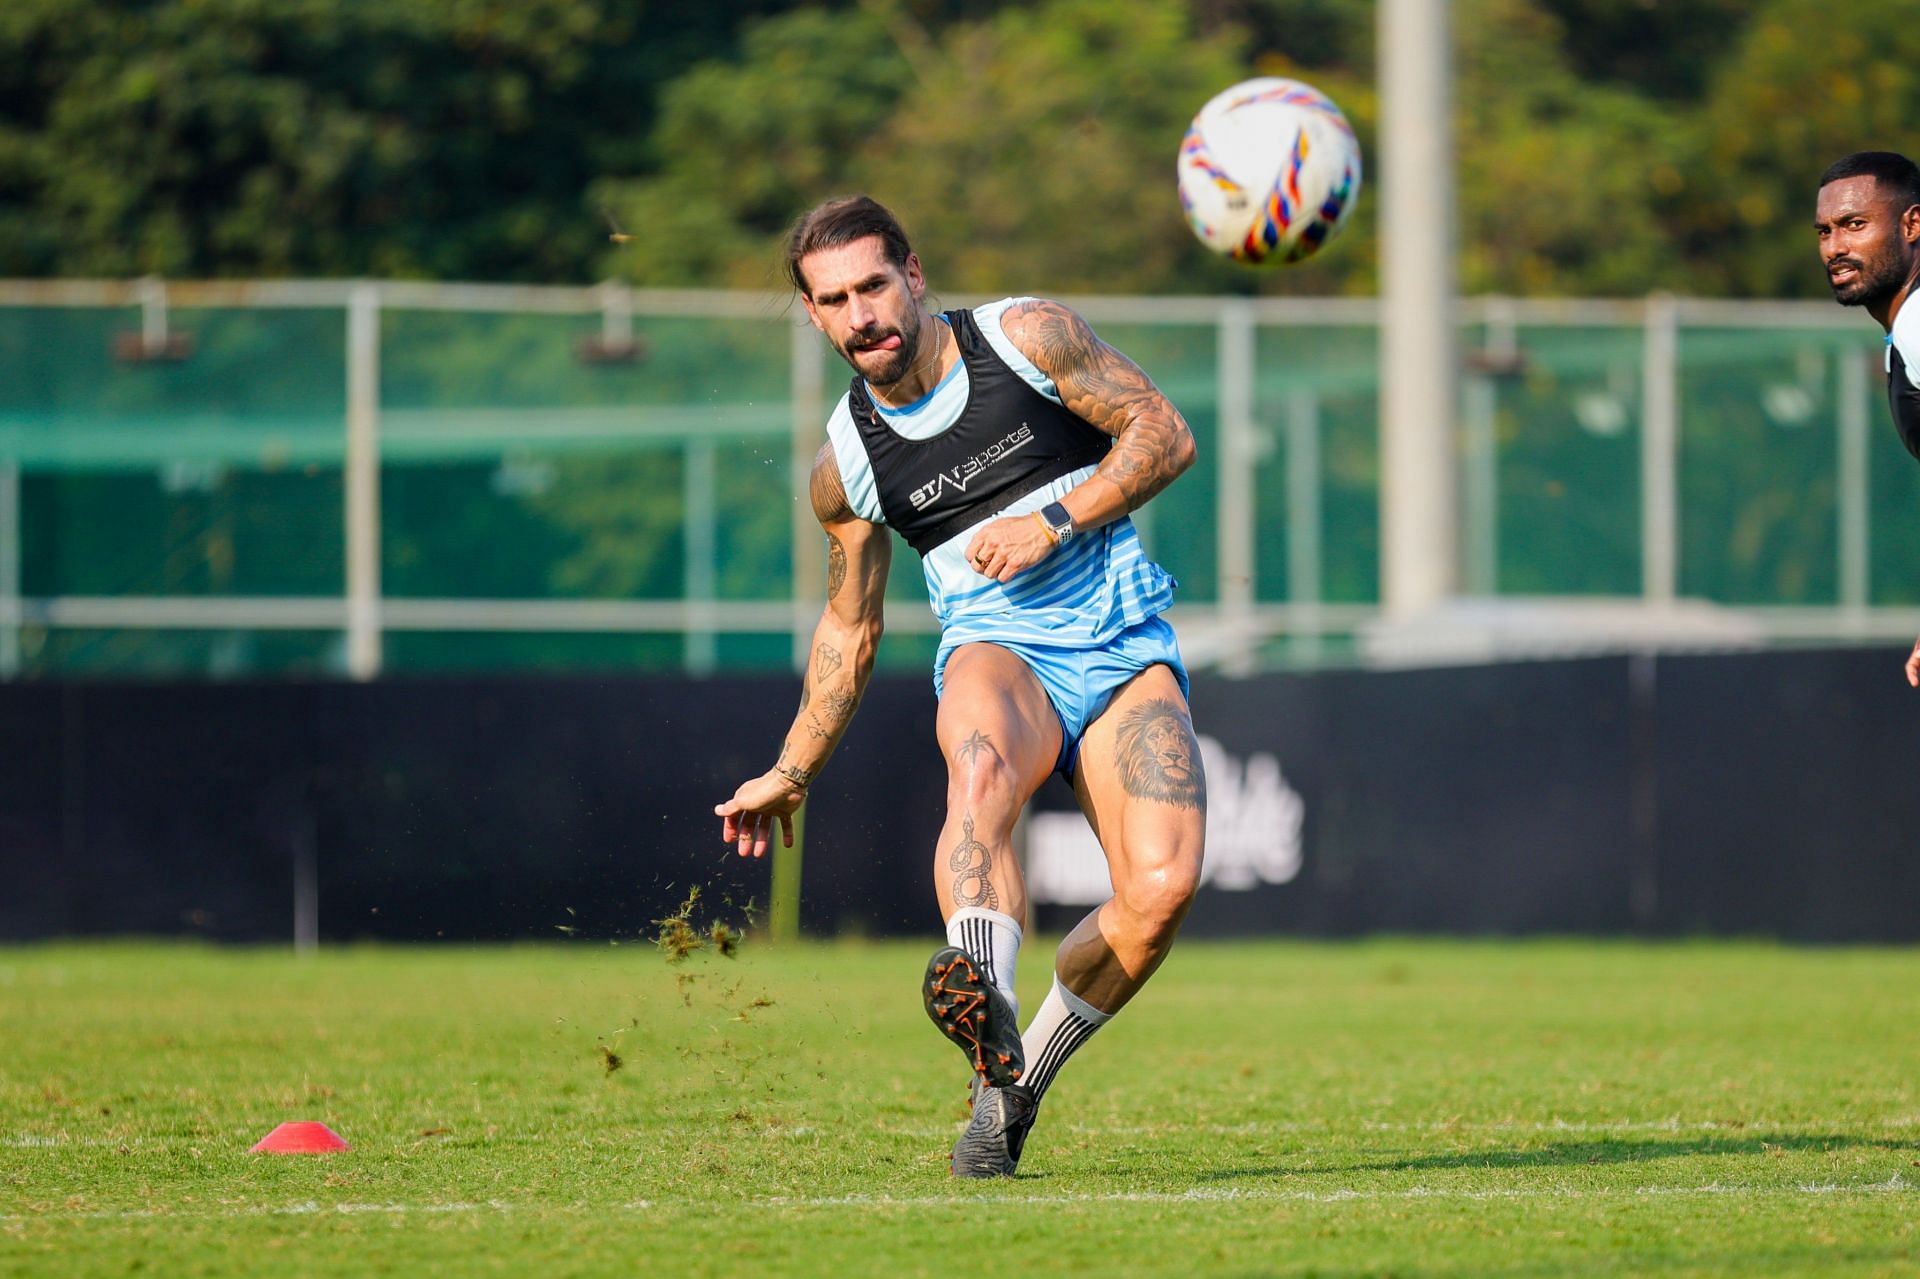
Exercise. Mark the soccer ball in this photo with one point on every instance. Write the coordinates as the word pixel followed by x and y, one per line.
pixel 1269 171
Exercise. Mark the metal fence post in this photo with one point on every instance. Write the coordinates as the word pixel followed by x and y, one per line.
pixel 306 882
pixel 700 565
pixel 10 610
pixel 363 481
pixel 808 390
pixel 1480 482
pixel 1855 485
pixel 1234 518
pixel 1303 521
pixel 1659 451
pixel 809 383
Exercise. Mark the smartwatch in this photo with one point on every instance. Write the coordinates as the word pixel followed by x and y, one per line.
pixel 1057 519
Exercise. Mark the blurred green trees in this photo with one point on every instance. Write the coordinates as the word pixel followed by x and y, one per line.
pixel 1604 148
pixel 434 138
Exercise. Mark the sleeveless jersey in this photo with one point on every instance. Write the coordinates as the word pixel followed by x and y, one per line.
pixel 1903 365
pixel 993 439
pixel 1008 441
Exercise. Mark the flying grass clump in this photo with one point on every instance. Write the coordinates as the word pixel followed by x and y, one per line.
pixel 681 935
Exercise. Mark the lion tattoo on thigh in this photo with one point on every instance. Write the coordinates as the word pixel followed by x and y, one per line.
pixel 1158 757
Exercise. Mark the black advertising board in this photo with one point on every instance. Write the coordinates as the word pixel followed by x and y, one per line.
pixel 1746 794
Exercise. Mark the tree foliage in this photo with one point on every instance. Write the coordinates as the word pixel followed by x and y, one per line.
pixel 746 143
pixel 1037 151
pixel 1804 84
pixel 1603 147
pixel 441 138
pixel 1560 179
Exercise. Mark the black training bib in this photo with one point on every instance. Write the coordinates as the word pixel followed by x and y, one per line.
pixel 1007 442
pixel 1904 399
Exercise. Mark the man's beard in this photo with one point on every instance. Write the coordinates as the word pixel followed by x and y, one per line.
pixel 1874 280
pixel 897 363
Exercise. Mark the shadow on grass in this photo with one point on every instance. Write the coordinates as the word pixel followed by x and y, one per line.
pixel 1570 1154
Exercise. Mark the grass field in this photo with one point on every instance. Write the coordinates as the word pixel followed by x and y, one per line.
pixel 1379 1108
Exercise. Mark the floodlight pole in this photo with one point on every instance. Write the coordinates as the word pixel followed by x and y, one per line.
pixel 1419 356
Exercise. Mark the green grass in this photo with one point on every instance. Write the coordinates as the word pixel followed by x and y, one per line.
pixel 1392 1107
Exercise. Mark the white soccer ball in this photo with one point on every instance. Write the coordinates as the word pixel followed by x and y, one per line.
pixel 1269 171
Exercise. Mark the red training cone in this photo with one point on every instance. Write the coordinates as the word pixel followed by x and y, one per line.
pixel 306 1137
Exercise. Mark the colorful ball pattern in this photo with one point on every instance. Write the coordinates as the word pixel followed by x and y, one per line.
pixel 1269 171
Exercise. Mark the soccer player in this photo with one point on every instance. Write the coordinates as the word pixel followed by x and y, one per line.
pixel 1006 445
pixel 1868 221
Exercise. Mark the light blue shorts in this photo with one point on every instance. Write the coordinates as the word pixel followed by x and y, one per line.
pixel 1081 681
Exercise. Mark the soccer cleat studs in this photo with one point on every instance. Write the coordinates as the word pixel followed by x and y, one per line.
pixel 970 1012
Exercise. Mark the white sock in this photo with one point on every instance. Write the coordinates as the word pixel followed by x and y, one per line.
pixel 993 940
pixel 1064 1022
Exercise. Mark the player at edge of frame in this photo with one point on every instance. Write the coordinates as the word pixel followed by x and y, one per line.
pixel 1867 219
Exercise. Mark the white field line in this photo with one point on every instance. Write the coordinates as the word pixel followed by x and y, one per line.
pixel 1748 1128
pixel 311 1208
pixel 1752 1128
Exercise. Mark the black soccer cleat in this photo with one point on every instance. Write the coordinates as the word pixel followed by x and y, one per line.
pixel 995 1135
pixel 973 1014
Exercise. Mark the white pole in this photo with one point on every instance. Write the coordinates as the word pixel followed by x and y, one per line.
pixel 1238 453
pixel 1659 451
pixel 10 618
pixel 306 883
pixel 808 394
pixel 363 482
pixel 153 315
pixel 616 317
pixel 1303 521
pixel 701 570
pixel 1479 429
pixel 1419 358
pixel 1855 486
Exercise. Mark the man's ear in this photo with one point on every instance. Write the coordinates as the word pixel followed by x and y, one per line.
pixel 917 280
pixel 1910 224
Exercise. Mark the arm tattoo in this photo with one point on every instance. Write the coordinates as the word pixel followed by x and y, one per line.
pixel 1152 444
pixel 972 885
pixel 836 566
pixel 1158 757
pixel 824 487
pixel 801 777
pixel 838 706
pixel 826 660
pixel 829 689
pixel 833 711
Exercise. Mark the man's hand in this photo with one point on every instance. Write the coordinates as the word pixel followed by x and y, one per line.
pixel 1008 546
pixel 1913 665
pixel 747 819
